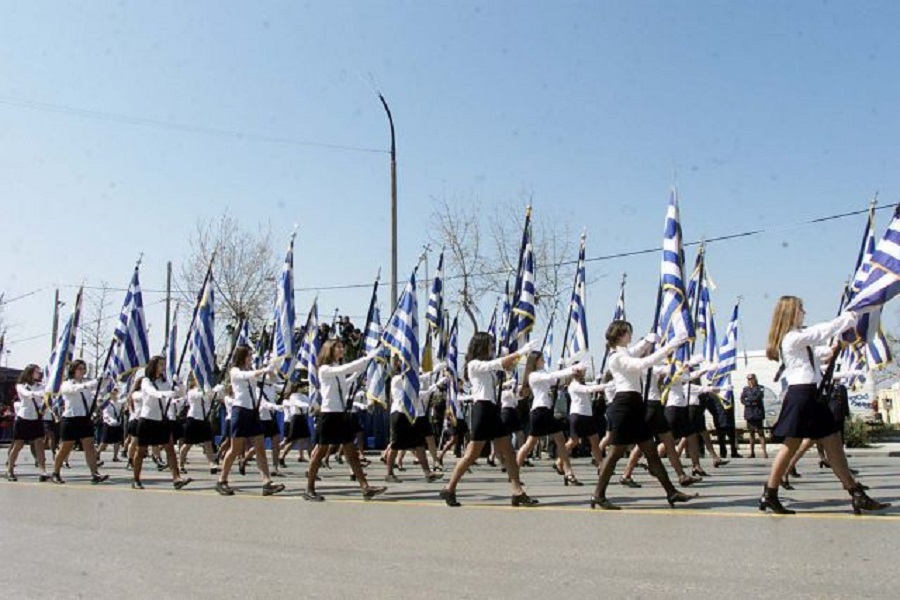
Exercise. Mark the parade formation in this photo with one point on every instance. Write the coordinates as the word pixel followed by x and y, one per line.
pixel 645 400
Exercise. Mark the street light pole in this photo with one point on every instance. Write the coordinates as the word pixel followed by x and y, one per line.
pixel 393 203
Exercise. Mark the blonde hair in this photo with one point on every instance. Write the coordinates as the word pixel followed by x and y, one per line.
pixel 326 354
pixel 783 320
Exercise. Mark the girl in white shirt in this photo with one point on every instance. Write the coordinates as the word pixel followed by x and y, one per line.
pixel 487 426
pixel 197 429
pixel 156 424
pixel 582 422
pixel 537 388
pixel 334 426
pixel 268 423
pixel 299 434
pixel 245 424
pixel 627 413
pixel 113 432
pixel 803 414
pixel 28 427
pixel 77 394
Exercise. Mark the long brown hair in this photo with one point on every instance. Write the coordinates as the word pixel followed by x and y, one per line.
pixel 326 354
pixel 73 366
pixel 479 349
pixel 530 367
pixel 240 356
pixel 153 367
pixel 615 331
pixel 27 376
pixel 783 320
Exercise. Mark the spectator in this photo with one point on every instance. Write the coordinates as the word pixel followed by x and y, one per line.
pixel 754 413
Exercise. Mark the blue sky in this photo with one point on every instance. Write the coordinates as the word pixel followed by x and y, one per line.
pixel 765 114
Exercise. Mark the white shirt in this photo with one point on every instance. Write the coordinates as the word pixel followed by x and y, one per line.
pixel 199 402
pixel 482 379
pixel 508 398
pixel 541 382
pixel 228 401
pixel 157 399
pixel 628 370
pixel 267 410
pixel 77 397
pixel 333 384
pixel 797 367
pixel 32 400
pixel 137 400
pixel 580 393
pixel 299 403
pixel 426 389
pixel 112 411
pixel 246 387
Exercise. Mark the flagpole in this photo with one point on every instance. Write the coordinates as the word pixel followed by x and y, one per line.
pixel 109 353
pixel 187 338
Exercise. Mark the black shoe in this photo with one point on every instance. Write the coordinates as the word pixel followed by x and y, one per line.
pixel 43 478
pixel 677 497
pixel 861 501
pixel 769 500
pixel 449 497
pixel 270 488
pixel 603 503
pixel 313 496
pixel 213 470
pixel 492 462
pixel 95 479
pixel 688 481
pixel 10 476
pixel 372 491
pixel 786 483
pixel 558 469
pixel 181 483
pixel 823 464
pixel 736 455
pixel 571 480
pixel 282 464
pixel 391 478
pixel 699 472
pixel 720 463
pixel 161 467
pixel 400 467
pixel 278 474
pixel 224 489
pixel 794 473
pixel 55 478
pixel 100 463
pixel 242 468
pixel 523 499
pixel 528 463
pixel 629 482
pixel 432 477
pixel 137 485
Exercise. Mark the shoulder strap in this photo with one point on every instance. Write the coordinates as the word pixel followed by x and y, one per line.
pixel 84 402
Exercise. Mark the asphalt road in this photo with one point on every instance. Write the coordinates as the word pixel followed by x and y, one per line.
pixel 108 541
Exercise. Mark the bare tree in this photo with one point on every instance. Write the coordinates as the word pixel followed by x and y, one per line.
pixel 244 270
pixel 455 228
pixel 96 325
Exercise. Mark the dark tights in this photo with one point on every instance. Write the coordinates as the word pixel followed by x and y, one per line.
pixel 654 464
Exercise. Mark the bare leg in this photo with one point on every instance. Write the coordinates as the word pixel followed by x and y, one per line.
pixel 636 454
pixel 782 461
pixel 473 451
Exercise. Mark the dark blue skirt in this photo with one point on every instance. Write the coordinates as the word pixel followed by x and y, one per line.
pixel 804 415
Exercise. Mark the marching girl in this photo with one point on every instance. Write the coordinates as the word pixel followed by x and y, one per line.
pixel 455 426
pixel 509 414
pixel 76 422
pixel 705 401
pixel 627 414
pixel 135 400
pixel 405 434
pixel 802 414
pixel 245 422
pixel 299 434
pixel 50 423
pixel 487 426
pixel 28 427
pixel 334 427
pixel 197 429
pixel 225 407
pixel 113 432
pixel 583 424
pixel 269 425
pixel 536 387
pixel 156 425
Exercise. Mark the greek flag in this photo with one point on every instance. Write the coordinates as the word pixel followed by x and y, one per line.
pixel 64 351
pixel 882 282
pixel 262 349
pixel 434 314
pixel 505 317
pixel 444 338
pixel 524 310
pixel 675 316
pixel 619 314
pixel 452 367
pixel 698 294
pixel 309 352
pixel 866 250
pixel 243 338
pixel 201 338
pixel 376 389
pixel 401 336
pixel 728 350
pixel 710 350
pixel 577 313
pixel 492 325
pixel 285 314
pixel 548 347
pixel 131 331
pixel 171 349
pixel 878 353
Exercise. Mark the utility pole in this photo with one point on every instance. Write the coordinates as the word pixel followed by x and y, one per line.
pixel 393 204
pixel 55 319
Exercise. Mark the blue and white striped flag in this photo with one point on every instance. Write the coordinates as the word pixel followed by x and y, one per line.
pixel 505 318
pixel 548 347
pixel 577 312
pixel 619 314
pixel 376 388
pixel 171 348
pixel 201 339
pixel 131 331
pixel 285 315
pixel 524 310
pixel 243 338
pixel 710 348
pixel 64 351
pixel 453 368
pixel 309 352
pixel 883 280
pixel 728 350
pixel 401 336
pixel 492 324
pixel 675 315
pixel 434 314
